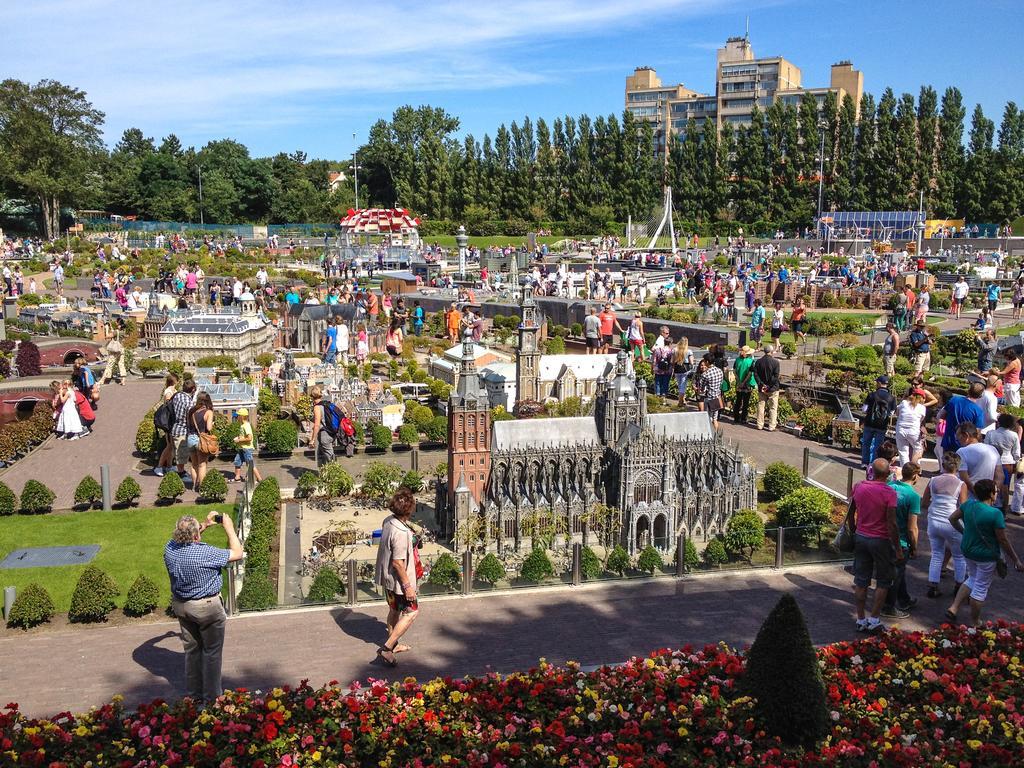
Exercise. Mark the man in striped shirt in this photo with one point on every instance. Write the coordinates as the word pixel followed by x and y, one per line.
pixel 194 569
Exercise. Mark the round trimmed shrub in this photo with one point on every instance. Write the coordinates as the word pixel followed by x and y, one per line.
pixel 412 480
pixel 408 434
pixel 214 487
pixel 745 533
pixel 537 566
pixel 171 487
pixel 649 560
pixel 127 491
pixel 27 359
pixel 88 492
pixel 334 482
pixel 257 593
pixel 326 586
pixel 489 570
pixel 816 422
pixel 618 561
pixel 307 485
pixel 36 498
pixel 780 478
pixel 437 429
pixel 715 554
pixel 380 437
pixel 145 435
pixel 142 597
pixel 421 416
pixel 281 437
pixel 590 563
pixel 8 501
pixel 805 510
pixel 93 597
pixel 445 572
pixel 33 606
pixel 268 403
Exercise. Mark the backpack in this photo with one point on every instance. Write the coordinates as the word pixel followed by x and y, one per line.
pixel 878 413
pixel 163 417
pixel 332 418
pixel 347 426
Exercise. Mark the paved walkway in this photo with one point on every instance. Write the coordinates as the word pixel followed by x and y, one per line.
pixel 47 672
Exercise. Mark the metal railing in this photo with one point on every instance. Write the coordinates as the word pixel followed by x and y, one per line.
pixel 824 472
pixel 236 570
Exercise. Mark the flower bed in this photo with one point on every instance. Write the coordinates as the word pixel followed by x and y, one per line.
pixel 951 697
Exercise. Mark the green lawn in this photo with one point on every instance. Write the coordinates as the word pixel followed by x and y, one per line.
pixel 131 542
pixel 448 241
pixel 1010 330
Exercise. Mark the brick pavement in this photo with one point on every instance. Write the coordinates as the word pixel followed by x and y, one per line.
pixel 73 669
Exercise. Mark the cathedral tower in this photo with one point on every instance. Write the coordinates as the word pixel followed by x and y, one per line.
pixel 528 355
pixel 469 439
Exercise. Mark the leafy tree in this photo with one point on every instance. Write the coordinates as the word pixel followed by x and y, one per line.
pixel 950 153
pixel 927 144
pixel 744 534
pixel 36 498
pixel 715 553
pixel 127 491
pixel 1006 185
pixel 649 560
pixel 214 487
pixel 537 566
pixel 50 143
pixel 27 359
pixel 333 481
pixel 974 189
pixel 380 479
pixel 326 586
pixel 489 570
pixel 862 197
pixel 780 479
pixel 618 561
pixel 88 492
pixel 412 480
pixel 171 488
pixel 445 572
pixel 8 501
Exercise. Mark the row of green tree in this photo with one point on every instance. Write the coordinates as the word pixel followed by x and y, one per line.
pixel 588 170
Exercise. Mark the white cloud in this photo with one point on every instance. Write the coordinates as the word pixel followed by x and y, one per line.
pixel 196 63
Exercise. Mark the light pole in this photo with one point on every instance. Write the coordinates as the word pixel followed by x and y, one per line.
pixel 200 169
pixel 462 241
pixel 355 168
pixel 821 166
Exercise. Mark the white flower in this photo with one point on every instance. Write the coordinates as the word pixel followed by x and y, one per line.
pixel 835 715
pixel 947 644
pixel 856 660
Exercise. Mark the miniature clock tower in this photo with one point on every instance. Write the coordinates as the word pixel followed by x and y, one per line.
pixel 469 442
pixel 528 356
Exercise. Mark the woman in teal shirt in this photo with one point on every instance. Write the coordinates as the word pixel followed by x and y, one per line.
pixel 984 534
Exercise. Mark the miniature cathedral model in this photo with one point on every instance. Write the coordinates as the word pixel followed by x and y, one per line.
pixel 666 473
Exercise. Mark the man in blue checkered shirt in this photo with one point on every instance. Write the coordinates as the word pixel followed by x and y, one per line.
pixel 195 572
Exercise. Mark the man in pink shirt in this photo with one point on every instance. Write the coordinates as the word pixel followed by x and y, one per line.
pixel 872 520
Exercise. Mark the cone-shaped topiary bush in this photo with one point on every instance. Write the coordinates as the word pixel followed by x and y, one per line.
pixel 784 678
pixel 326 586
pixel 649 560
pixel 590 563
pixel 490 570
pixel 537 566
pixel 94 595
pixel 36 498
pixel 171 487
pixel 128 491
pixel 257 593
pixel 715 554
pixel 214 487
pixel 780 479
pixel 8 501
pixel 690 557
pixel 32 606
pixel 88 493
pixel 142 597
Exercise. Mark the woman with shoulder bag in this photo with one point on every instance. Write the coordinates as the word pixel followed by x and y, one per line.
pixel 201 438
pixel 682 367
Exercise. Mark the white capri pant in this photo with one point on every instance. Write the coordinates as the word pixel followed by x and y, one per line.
pixel 942 535
pixel 1011 393
pixel 907 446
pixel 979 578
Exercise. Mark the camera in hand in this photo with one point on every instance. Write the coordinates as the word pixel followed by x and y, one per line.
pixel 218 519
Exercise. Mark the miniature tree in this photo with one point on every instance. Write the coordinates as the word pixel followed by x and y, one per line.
pixel 326 586
pixel 381 437
pixel 649 560
pixel 780 478
pixel 171 488
pixel 408 434
pixel 380 479
pixel 784 679
pixel 32 606
pixel 36 498
pixel 715 554
pixel 142 597
pixel 412 480
pixel 618 561
pixel 745 534
pixel 8 501
pixel 93 597
pixel 307 485
pixel 590 564
pixel 214 487
pixel 333 481
pixel 489 570
pixel 445 572
pixel 27 359
pixel 88 493
pixel 128 491
pixel 537 566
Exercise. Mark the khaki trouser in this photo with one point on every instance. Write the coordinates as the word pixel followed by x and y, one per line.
pixel 922 362
pixel 112 361
pixel 202 628
pixel 890 364
pixel 771 398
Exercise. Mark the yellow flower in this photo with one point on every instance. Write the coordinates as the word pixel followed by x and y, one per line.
pixel 317 756
pixel 683 732
pixel 974 744
pixel 272 705
pixel 456 696
pixel 613 761
pixel 79 731
pixel 649 663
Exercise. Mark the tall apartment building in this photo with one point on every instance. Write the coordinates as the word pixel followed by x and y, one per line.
pixel 741 81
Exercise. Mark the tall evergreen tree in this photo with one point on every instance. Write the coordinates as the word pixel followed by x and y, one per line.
pixel 843 165
pixel 908 186
pixel 546 179
pixel 752 171
pixel 725 172
pixel 973 204
pixel 685 158
pixel 927 145
pixel 1006 183
pixel 830 118
pixel 887 184
pixel 950 154
pixel 861 197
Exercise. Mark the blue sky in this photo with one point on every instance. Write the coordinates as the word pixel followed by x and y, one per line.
pixel 281 75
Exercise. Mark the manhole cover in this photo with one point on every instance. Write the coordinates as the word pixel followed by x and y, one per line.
pixel 44 557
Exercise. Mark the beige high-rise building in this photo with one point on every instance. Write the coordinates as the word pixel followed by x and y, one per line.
pixel 741 81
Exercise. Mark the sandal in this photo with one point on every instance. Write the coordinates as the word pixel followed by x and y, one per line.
pixel 950 617
pixel 387 655
pixel 402 648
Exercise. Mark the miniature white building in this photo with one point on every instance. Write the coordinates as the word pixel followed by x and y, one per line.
pixel 243 333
